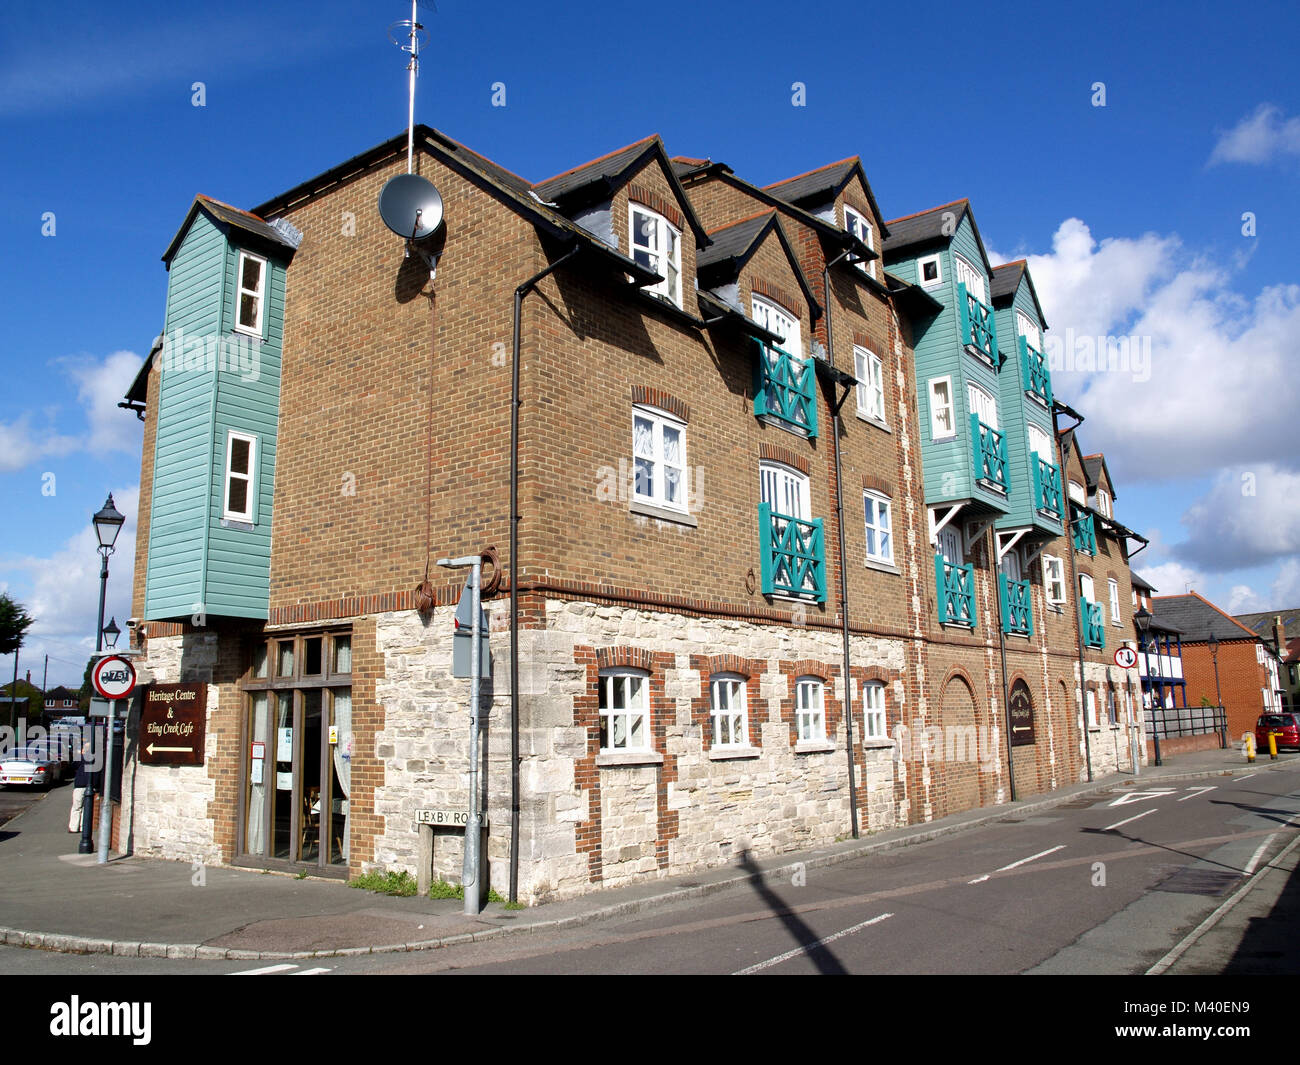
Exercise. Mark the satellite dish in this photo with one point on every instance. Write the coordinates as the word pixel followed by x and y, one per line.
pixel 410 206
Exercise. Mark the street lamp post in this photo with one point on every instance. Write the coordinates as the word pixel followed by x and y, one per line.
pixel 1218 695
pixel 1143 621
pixel 108 523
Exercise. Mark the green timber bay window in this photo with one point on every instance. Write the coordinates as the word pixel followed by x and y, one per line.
pixel 1033 367
pixel 1093 620
pixel 1083 531
pixel 1047 486
pixel 792 555
pixel 990 454
pixel 978 330
pixel 1016 614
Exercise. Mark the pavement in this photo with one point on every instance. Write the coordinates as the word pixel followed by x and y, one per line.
pixel 52 898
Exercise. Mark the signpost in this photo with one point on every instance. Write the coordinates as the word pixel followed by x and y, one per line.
pixel 114 678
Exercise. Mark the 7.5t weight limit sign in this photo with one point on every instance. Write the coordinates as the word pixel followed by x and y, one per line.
pixel 113 677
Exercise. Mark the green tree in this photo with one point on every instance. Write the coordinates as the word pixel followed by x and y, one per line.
pixel 14 623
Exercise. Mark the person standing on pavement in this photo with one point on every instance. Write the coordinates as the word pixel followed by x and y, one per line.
pixel 79 784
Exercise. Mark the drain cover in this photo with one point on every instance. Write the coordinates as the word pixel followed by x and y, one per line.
pixel 1194 881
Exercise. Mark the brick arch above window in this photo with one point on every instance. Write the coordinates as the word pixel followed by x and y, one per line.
pixel 657 397
pixel 624 658
pixel 783 455
pixel 810 667
pixel 787 300
pixel 661 205
pixel 872 483
pixel 726 663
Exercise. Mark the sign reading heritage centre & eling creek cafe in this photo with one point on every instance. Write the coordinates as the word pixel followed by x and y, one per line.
pixel 173 723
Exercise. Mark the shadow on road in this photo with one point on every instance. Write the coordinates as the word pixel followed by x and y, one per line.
pixel 823 957
pixel 1268 945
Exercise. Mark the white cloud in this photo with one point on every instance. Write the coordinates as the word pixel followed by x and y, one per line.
pixel 1258 138
pixel 1249 517
pixel 100 385
pixel 1205 378
pixel 1243 600
pixel 1286 585
pixel 1172 578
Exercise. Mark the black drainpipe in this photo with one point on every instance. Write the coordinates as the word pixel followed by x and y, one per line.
pixel 520 293
pixel 839 513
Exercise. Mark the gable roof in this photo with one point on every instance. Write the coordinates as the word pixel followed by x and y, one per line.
pixel 733 246
pixel 1262 621
pixel 1093 466
pixel 1004 281
pixel 61 693
pixel 228 217
pixel 597 180
pixel 929 225
pixel 1197 617
pixel 1141 582
pixel 824 184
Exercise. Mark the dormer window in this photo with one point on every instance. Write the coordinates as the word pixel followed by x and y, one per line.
pixel 251 294
pixel 858 226
pixel 657 246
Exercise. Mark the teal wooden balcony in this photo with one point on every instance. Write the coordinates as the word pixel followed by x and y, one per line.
pixel 785 388
pixel 1084 532
pixel 978 329
pixel 1033 370
pixel 990 452
pixel 1017 617
pixel 1047 486
pixel 792 555
pixel 1093 622
pixel 954 588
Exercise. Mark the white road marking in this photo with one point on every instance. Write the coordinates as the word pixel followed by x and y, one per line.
pixel 1254 858
pixel 1040 854
pixel 811 946
pixel 978 879
pixel 1127 820
pixel 1249 775
pixel 1196 791
pixel 311 972
pixel 267 971
pixel 1138 796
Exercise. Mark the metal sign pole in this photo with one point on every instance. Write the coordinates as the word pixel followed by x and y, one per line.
pixel 106 805
pixel 470 869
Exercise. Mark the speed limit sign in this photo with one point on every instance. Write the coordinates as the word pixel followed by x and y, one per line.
pixel 1126 657
pixel 113 677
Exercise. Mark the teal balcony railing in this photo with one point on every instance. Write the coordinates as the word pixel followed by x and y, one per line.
pixel 1093 622
pixel 792 555
pixel 978 329
pixel 785 388
pixel 954 592
pixel 1017 617
pixel 1084 532
pixel 1033 369
pixel 1047 486
pixel 990 453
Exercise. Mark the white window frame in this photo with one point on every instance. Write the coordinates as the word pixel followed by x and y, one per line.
pixel 1090 697
pixel 936 407
pixel 1025 327
pixel 1045 455
pixel 1104 503
pixel 733 717
pixel 1078 493
pixel 810 709
pixel 981 401
pixel 1112 588
pixel 856 222
pixel 1087 588
pixel 950 546
pixel 657 460
pixel 869 369
pixel 630 711
pixel 250 478
pixel 670 288
pixel 938 270
pixel 776 319
pixel 963 270
pixel 873 505
pixel 259 294
pixel 779 485
pixel 1054 580
pixel 874 723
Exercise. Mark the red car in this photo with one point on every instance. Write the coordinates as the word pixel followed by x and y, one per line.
pixel 1284 726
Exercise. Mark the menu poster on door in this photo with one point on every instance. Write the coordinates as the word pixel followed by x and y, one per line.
pixel 173 724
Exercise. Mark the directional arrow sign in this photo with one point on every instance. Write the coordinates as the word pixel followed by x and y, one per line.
pixel 1138 796
pixel 173 724
pixel 163 750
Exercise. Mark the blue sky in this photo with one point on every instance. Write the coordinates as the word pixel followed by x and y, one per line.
pixel 1131 213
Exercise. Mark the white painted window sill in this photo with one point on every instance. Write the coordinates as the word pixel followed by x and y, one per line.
pixel 622 758
pixel 814 747
pixel 871 420
pixel 649 510
pixel 877 743
pixel 733 754
pixel 883 567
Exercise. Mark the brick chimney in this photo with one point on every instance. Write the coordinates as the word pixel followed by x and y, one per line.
pixel 1279 634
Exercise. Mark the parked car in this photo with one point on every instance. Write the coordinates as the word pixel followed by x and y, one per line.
pixel 1285 727
pixel 30 766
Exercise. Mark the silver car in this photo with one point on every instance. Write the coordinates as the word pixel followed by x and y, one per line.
pixel 30 765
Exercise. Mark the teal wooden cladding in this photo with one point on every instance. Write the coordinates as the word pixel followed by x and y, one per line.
pixel 1017 616
pixel 213 381
pixel 1084 531
pixel 1093 621
pixel 1047 486
pixel 784 388
pixel 1034 373
pixel 792 555
pixel 978 326
pixel 990 454
pixel 954 592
